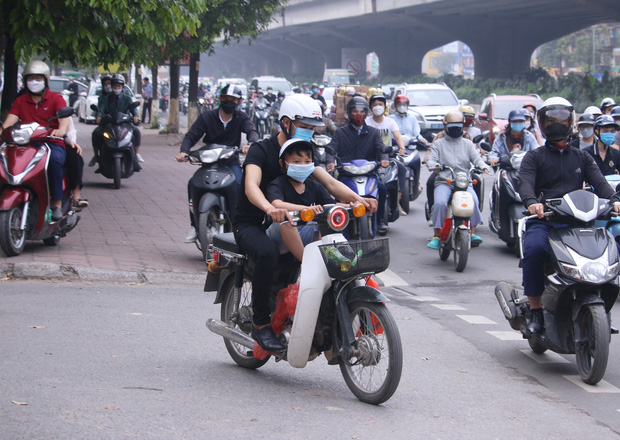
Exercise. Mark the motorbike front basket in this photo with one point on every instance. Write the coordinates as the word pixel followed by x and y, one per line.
pixel 350 259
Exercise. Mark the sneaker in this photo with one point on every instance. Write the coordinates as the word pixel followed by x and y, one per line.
pixel 191 236
pixel 93 161
pixel 476 240
pixel 401 211
pixel 56 214
pixel 139 158
pixel 79 204
pixel 534 321
pixel 434 243
pixel 267 339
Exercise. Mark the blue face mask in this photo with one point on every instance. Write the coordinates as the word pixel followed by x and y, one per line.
pixel 607 138
pixel 517 126
pixel 299 172
pixel 315 91
pixel 304 134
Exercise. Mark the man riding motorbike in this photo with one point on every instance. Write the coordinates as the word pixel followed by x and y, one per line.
pixel 222 125
pixel 356 140
pixel 549 172
pixel 40 105
pixel 458 153
pixel 607 159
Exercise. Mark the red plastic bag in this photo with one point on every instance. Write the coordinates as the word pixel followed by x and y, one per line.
pixel 286 302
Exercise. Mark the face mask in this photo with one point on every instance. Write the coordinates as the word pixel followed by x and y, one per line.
pixel 299 172
pixel 586 132
pixel 401 108
pixel 117 91
pixel 454 130
pixel 357 119
pixel 107 88
pixel 36 86
pixel 528 124
pixel 378 110
pixel 315 91
pixel 517 126
pixel 228 106
pixel 304 134
pixel 607 138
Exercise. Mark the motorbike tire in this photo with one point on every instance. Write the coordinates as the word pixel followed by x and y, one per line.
pixel 536 346
pixel 117 172
pixel 366 228
pixel 12 239
pixel 240 318
pixel 462 242
pixel 374 374
pixel 445 248
pixel 208 226
pixel 404 199
pixel 593 351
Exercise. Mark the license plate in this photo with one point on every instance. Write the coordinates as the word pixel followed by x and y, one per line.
pixel 437 126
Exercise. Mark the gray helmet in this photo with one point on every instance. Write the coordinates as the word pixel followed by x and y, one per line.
pixel 586 118
pixel 36 67
pixel 118 79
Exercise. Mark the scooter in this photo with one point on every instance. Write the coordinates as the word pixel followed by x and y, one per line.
pixel 261 120
pixel 319 150
pixel 359 175
pixel 505 202
pixel 117 158
pixel 412 162
pixel 581 285
pixel 333 310
pixel 456 230
pixel 389 176
pixel 214 192
pixel 25 210
pixel 612 224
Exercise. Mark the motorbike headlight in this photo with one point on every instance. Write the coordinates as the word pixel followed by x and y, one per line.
pixel 210 156
pixel 596 272
pixel 321 141
pixel 365 169
pixel 461 181
pixel 21 135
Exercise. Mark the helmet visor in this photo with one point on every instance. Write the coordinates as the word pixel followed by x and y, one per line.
pixel 558 114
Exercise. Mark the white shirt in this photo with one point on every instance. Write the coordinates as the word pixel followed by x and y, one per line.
pixel 387 127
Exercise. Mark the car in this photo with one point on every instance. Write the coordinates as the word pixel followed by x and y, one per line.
pixel 430 103
pixel 84 112
pixel 336 77
pixel 60 85
pixel 493 113
pixel 278 84
pixel 224 81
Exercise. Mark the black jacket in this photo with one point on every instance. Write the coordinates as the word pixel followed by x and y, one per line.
pixel 350 145
pixel 548 173
pixel 611 164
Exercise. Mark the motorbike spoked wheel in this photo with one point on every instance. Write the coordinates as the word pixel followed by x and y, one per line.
pixel 462 244
pixel 208 226
pixel 240 318
pixel 12 239
pixel 117 172
pixel 592 351
pixel 373 373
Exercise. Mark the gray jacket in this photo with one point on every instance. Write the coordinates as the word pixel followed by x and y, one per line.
pixel 457 154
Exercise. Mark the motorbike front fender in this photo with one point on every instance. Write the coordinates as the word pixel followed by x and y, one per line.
pixel 366 294
pixel 208 201
pixel 582 301
pixel 12 197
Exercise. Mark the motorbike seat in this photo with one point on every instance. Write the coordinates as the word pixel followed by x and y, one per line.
pixel 226 241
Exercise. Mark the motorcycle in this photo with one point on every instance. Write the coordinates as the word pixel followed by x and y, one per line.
pixel 333 310
pixel 25 210
pixel 456 230
pixel 581 285
pixel 117 158
pixel 505 202
pixel 359 175
pixel 163 103
pixel 214 192
pixel 261 120
pixel 201 105
pixel 412 162
pixel 319 150
pixel 389 176
pixel 612 224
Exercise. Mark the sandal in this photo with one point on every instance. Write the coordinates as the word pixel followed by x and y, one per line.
pixel 80 204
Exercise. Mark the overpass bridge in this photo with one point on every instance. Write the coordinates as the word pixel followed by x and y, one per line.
pixel 307 35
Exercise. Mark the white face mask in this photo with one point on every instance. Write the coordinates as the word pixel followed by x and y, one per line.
pixel 401 108
pixel 107 88
pixel 117 91
pixel 528 124
pixel 378 110
pixel 36 86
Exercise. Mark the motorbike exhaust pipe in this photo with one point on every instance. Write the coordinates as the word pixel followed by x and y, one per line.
pixel 226 331
pixel 502 300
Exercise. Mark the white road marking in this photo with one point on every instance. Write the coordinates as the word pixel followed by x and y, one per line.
pixel 548 357
pixel 476 319
pixel 424 298
pixel 389 279
pixel 448 307
pixel 601 387
pixel 507 335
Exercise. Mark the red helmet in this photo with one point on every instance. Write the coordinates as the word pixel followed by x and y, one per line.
pixel 401 98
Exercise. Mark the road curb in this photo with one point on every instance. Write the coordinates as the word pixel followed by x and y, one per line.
pixel 52 271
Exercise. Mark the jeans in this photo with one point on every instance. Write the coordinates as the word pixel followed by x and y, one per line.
pixel 54 170
pixel 442 197
pixel 146 108
pixel 382 198
pixel 535 253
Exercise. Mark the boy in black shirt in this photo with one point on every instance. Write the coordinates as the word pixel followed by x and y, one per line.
pixel 296 191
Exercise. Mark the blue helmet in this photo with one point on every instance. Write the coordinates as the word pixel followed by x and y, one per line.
pixel 605 121
pixel 517 115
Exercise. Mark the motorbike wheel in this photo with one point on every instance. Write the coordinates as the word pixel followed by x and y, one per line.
pixel 536 347
pixel 240 318
pixel 462 243
pixel 365 228
pixel 404 199
pixel 445 247
pixel 208 226
pixel 117 172
pixel 373 373
pixel 12 239
pixel 592 350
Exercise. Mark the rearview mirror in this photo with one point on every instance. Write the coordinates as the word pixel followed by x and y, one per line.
pixel 65 112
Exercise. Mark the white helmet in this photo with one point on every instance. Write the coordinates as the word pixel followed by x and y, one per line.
pixel 607 102
pixel 593 110
pixel 302 108
pixel 559 110
pixel 36 67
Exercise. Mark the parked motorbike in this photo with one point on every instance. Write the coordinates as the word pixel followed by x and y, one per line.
pixel 332 310
pixel 117 158
pixel 214 192
pixel 581 284
pixel 505 202
pixel 456 230
pixel 261 119
pixel 25 209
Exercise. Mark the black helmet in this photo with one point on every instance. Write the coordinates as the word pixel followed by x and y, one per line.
pixel 615 111
pixel 231 90
pixel 605 121
pixel 587 118
pixel 551 117
pixel 281 95
pixel 357 102
pixel 378 97
pixel 118 79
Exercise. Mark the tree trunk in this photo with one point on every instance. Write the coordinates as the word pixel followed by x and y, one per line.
pixel 192 111
pixel 9 93
pixel 138 81
pixel 173 111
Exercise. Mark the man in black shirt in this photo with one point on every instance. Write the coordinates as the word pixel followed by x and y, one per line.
pixel 607 159
pixel 223 126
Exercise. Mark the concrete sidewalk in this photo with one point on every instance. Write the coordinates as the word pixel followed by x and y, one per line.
pixel 132 234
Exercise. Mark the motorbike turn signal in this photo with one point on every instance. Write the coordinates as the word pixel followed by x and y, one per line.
pixel 448 181
pixel 306 215
pixel 358 210
pixel 106 135
pixel 475 182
